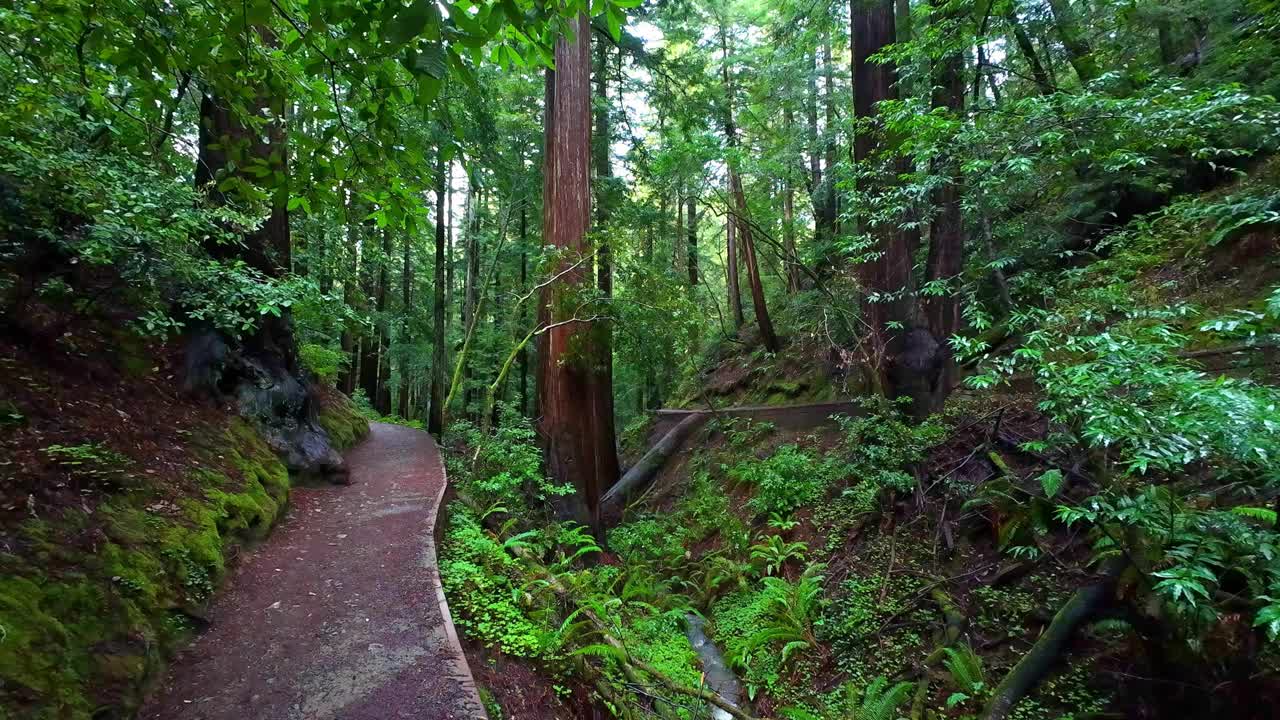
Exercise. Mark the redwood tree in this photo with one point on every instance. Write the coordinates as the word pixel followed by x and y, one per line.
pixel 574 389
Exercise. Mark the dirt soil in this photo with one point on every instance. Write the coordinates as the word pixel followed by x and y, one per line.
pixel 336 615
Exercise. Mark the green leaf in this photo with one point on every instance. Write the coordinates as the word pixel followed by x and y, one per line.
pixel 410 22
pixel 430 60
pixel 615 19
pixel 1051 481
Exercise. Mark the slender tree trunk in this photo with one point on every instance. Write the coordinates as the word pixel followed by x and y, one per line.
pixel 815 140
pixel 524 307
pixel 448 243
pixel 740 212
pixel 406 338
pixel 383 400
pixel 1028 50
pixel 731 269
pixel 691 249
pixel 574 391
pixel 471 291
pixel 676 240
pixel 439 310
pixel 350 283
pixel 789 215
pixel 369 339
pixel 1079 53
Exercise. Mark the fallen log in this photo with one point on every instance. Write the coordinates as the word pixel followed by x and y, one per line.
pixel 627 661
pixel 648 466
pixel 1033 666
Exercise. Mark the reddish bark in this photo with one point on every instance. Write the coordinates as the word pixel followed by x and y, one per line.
pixel 575 396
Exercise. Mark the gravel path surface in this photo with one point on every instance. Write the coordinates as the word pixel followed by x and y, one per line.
pixel 338 615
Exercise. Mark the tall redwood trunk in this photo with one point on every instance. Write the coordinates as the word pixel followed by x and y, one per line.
pixel 439 310
pixel 888 273
pixel 946 237
pixel 574 391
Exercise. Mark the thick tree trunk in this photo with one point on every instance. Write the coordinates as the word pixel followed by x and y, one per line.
pixel 574 393
pixel 439 309
pixel 892 363
pixel 946 237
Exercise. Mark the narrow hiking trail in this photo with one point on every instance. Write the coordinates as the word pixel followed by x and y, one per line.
pixel 338 615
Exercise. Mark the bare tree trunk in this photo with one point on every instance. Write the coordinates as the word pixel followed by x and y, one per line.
pixel 406 279
pixel 792 270
pixel 574 392
pixel 524 308
pixel 692 247
pixel 731 269
pixel 383 399
pixel 439 310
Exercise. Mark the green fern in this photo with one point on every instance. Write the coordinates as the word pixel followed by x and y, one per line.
pixel 880 700
pixel 1264 515
pixel 966 669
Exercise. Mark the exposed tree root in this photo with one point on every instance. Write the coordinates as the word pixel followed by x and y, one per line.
pixel 1040 659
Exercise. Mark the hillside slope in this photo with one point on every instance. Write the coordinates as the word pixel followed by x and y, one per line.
pixel 122 502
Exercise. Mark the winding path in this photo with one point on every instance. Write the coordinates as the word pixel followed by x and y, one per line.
pixel 339 615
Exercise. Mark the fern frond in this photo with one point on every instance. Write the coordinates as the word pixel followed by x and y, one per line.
pixel 1265 515
pixel 602 650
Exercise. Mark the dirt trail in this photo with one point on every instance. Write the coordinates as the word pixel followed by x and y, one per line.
pixel 338 616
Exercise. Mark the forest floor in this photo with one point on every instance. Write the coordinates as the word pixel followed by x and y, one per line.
pixel 337 614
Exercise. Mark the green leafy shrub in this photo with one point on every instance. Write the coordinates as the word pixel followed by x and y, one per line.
pixel 784 482
pixel 483 583
pixel 504 466
pixel 323 362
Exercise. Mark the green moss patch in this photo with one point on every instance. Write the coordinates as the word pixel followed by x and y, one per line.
pixel 339 417
pixel 91 604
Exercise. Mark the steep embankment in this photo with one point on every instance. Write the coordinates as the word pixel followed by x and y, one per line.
pixel 122 503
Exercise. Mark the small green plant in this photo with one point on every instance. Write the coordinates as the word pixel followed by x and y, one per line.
pixel 792 612
pixel 774 553
pixel 965 667
pixel 877 701
pixel 89 462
